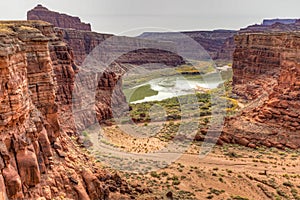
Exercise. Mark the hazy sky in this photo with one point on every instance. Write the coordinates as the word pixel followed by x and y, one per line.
pixel 121 16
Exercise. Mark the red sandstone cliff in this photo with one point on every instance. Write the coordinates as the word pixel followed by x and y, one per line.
pixel 266 70
pixel 37 158
pixel 82 40
pixel 57 19
pixel 130 51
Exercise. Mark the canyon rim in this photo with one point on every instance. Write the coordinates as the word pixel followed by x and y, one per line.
pixel 162 115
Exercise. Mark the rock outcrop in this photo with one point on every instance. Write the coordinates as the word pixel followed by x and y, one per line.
pixel 267 72
pixel 83 42
pixel 28 107
pixel 130 51
pixel 57 19
pixel 38 160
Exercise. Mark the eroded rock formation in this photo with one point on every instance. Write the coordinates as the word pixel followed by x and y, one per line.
pixel 57 19
pixel 130 52
pixel 37 158
pixel 83 42
pixel 126 53
pixel 267 71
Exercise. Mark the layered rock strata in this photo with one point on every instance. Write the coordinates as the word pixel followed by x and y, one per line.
pixel 57 19
pixel 217 44
pixel 83 42
pixel 37 158
pixel 130 52
pixel 101 73
pixel 267 71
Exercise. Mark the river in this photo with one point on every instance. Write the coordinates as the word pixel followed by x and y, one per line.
pixel 168 87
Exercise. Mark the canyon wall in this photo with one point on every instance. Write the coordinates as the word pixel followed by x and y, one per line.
pixel 57 19
pixel 219 44
pixel 265 74
pixel 127 53
pixel 38 160
pixel 130 52
pixel 29 120
pixel 83 42
pixel 266 71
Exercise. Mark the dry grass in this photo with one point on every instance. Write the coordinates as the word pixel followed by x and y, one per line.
pixel 228 172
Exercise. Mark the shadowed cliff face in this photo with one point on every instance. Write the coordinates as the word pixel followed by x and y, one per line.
pixel 37 158
pixel 266 71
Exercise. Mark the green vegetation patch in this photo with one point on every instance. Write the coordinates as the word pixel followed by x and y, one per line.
pixel 135 94
pixel 173 108
pixel 196 67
